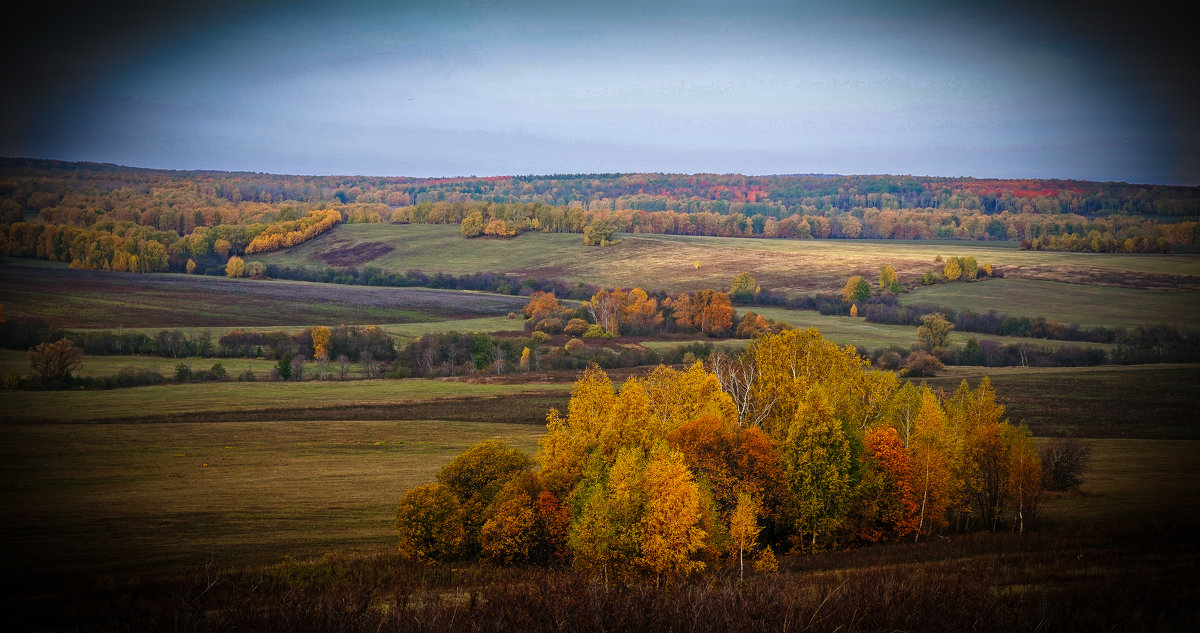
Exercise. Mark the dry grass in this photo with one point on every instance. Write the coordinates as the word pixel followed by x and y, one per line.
pixel 665 262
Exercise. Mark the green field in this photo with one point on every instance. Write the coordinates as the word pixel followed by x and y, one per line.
pixel 667 262
pixel 188 401
pixel 866 336
pixel 1088 306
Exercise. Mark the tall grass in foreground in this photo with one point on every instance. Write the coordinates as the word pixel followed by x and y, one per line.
pixel 1129 577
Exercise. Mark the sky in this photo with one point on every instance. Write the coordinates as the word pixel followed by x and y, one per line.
pixel 1018 89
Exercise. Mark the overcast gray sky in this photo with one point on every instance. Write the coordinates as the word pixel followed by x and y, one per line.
pixel 1020 89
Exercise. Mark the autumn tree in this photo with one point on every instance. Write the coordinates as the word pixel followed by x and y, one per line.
pixel 429 523
pixel 320 341
pixel 541 305
pixel 640 312
pixel 475 477
pixel 708 311
pixel 934 332
pixel 953 269
pixel 744 529
pixel 856 289
pixel 605 309
pixel 235 267
pixel 472 225
pixel 670 530
pixel 599 233
pixel 887 279
pixel 970 267
pixel 933 448
pixel 52 363
pixel 742 289
pixel 818 461
pixel 885 504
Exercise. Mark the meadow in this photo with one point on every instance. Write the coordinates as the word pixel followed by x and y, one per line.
pixel 786 266
pixel 1085 305
pixel 202 400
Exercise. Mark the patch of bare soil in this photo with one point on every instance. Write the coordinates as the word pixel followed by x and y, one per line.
pixel 340 255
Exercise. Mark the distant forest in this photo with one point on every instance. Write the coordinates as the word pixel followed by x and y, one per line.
pixel 107 216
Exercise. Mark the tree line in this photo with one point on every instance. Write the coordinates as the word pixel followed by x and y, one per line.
pixel 1071 215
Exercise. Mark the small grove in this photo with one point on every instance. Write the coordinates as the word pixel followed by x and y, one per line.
pixel 793 446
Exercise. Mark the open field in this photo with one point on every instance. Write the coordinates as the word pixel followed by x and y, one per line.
pixel 136 498
pixel 865 336
pixel 1136 401
pixel 118 500
pixel 197 400
pixel 1088 306
pixel 95 366
pixel 97 299
pixel 667 262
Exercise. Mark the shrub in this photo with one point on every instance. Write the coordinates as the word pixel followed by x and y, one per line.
pixel 920 364
pixel 575 327
pixel 1064 460
pixel 573 345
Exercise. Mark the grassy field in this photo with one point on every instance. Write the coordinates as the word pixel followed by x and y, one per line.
pixel 98 299
pixel 139 498
pixel 668 262
pixel 1138 401
pixel 187 401
pixel 94 366
pixel 865 335
pixel 1088 306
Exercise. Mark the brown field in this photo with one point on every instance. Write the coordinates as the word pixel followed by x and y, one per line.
pixel 98 299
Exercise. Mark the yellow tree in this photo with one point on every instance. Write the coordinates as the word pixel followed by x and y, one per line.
pixel 953 269
pixel 933 450
pixel 671 532
pixel 235 267
pixel 744 528
pixel 429 523
pixel 320 340
pixel 789 363
pixel 605 308
pixel 887 277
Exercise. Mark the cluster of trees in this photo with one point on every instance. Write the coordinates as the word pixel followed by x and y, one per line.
pixel 127 247
pixel 454 353
pixel 290 233
pixel 611 313
pixel 790 446
pixel 1096 241
pixel 486 281
pixel 355 342
pixel 473 225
